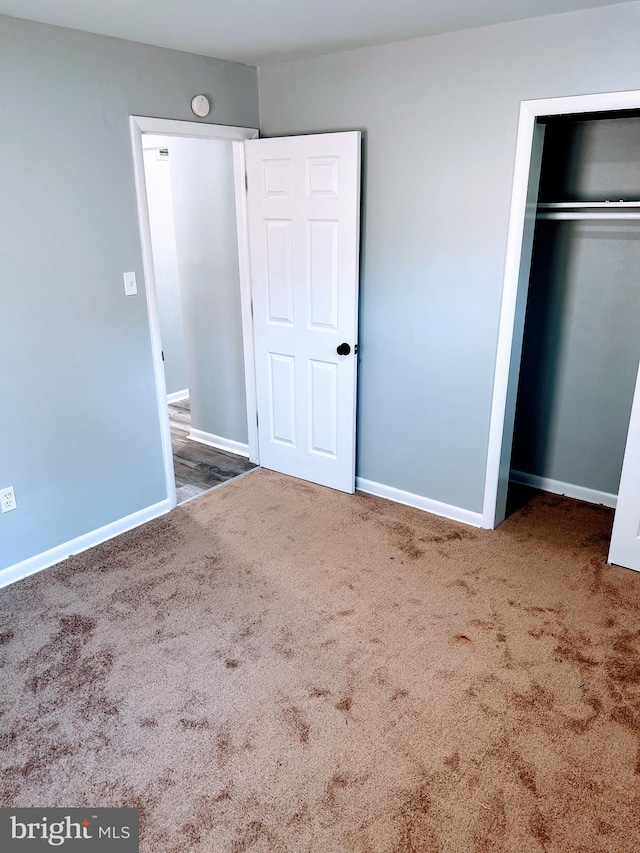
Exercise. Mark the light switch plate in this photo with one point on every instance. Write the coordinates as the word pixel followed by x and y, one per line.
pixel 130 285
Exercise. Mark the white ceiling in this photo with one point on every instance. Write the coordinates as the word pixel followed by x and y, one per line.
pixel 259 31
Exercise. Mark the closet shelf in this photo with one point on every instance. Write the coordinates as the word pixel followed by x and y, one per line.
pixel 584 210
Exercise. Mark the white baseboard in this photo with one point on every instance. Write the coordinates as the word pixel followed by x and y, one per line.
pixel 455 513
pixel 557 487
pixel 219 442
pixel 176 396
pixel 81 543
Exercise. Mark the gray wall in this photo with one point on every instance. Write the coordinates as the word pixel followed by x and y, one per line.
pixel 581 344
pixel 157 174
pixel 80 439
pixel 439 117
pixel 206 240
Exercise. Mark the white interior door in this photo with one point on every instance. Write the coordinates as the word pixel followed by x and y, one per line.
pixel 625 538
pixel 303 208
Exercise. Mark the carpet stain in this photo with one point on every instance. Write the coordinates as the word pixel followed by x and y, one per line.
pixel 338 786
pixel 256 833
pixel 194 725
pixel 284 651
pixel 605 828
pixel 297 723
pixel 399 694
pixel 626 716
pixel 463 584
pixel 453 536
pixel 299 818
pixel 536 697
pixel 623 667
pixel 416 830
pixel 452 762
pixel 38 766
pixel 526 775
pixel 345 704
pixel 491 824
pixel 225 795
pixel 569 650
pixel 224 749
pixel 540 829
pixel 403 537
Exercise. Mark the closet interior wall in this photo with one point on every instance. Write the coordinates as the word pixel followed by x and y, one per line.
pixel 581 342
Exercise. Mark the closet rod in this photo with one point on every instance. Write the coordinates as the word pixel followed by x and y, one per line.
pixel 575 205
pixel 576 215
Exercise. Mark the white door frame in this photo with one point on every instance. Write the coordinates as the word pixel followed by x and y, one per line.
pixel 516 285
pixel 237 135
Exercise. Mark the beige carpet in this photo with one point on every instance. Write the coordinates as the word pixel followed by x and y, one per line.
pixel 278 667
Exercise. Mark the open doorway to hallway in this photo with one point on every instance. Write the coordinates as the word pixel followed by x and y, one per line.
pixel 197 466
pixel 191 209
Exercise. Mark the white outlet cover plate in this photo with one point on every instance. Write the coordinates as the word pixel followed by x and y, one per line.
pixel 8 499
pixel 130 285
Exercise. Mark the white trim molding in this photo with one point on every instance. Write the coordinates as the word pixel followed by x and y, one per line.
pixel 55 555
pixel 140 125
pixel 455 513
pixel 515 285
pixel 557 487
pixel 219 442
pixel 176 396
pixel 246 308
pixel 202 130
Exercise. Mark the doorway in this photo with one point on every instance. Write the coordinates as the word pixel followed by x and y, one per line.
pixel 186 179
pixel 525 211
pixel 297 205
pixel 191 208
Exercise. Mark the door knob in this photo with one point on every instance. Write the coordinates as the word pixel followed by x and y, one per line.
pixel 343 349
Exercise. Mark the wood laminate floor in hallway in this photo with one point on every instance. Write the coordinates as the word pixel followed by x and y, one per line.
pixel 198 467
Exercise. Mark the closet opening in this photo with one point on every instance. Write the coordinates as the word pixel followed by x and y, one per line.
pixel 580 345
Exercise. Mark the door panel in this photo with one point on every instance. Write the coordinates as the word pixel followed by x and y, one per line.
pixel 303 212
pixel 282 399
pixel 279 277
pixel 323 407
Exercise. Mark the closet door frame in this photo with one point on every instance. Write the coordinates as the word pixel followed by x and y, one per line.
pixel 516 280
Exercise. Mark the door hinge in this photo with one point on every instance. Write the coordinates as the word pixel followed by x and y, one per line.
pixel 355 349
pixel 251 305
pixel 246 182
pixel 162 354
pixel 257 419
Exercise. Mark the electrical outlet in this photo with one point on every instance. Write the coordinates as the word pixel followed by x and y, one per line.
pixel 8 499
